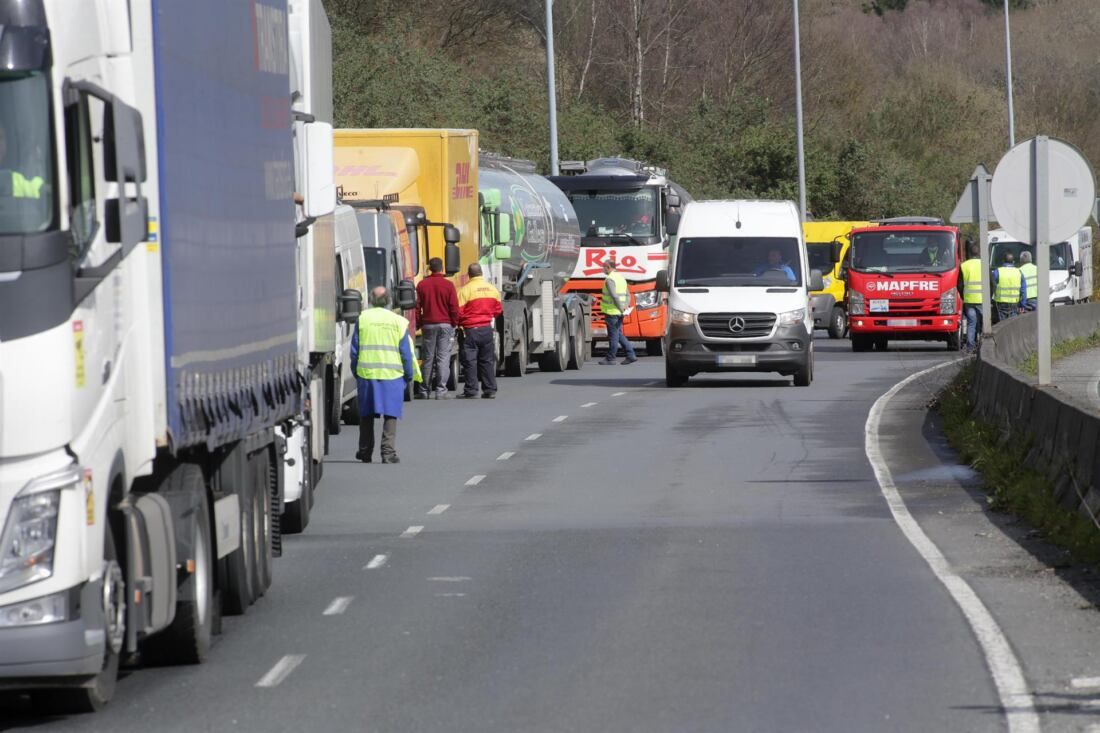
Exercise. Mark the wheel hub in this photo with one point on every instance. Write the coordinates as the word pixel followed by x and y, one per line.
pixel 114 608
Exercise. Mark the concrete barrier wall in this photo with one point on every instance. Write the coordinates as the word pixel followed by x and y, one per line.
pixel 1062 432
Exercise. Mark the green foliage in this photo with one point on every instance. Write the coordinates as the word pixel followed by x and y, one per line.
pixel 1061 350
pixel 1013 487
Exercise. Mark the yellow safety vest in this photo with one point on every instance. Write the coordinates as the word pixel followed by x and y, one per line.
pixel 972 281
pixel 614 305
pixel 380 335
pixel 1008 285
pixel 1030 274
pixel 25 188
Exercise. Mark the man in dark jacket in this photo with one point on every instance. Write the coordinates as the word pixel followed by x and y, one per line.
pixel 437 314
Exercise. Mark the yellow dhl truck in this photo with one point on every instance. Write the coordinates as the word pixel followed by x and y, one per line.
pixel 830 312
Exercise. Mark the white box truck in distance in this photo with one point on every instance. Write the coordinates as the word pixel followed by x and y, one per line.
pixel 738 290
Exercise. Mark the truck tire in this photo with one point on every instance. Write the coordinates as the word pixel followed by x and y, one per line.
pixel 334 406
pixel 261 518
pixel 861 343
pixel 838 323
pixel 653 347
pixel 350 412
pixel 238 595
pixel 187 639
pixel 955 340
pixel 557 359
pixel 577 346
pixel 881 343
pixel 93 695
pixel 672 377
pixel 515 365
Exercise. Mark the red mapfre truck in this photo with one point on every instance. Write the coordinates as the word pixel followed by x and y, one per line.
pixel 903 283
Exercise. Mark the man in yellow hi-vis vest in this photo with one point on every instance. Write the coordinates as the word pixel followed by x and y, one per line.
pixel 1030 273
pixel 1009 289
pixel 972 294
pixel 384 357
pixel 615 305
pixel 13 183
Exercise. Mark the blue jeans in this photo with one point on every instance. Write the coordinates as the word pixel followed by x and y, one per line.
pixel 973 324
pixel 615 337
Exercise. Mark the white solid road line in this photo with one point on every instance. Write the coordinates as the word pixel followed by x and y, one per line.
pixel 279 672
pixel 533 436
pixel 590 404
pixel 1085 682
pixel 412 531
pixel 475 480
pixel 377 561
pixel 506 455
pixel 439 508
pixel 560 418
pixel 1012 688
pixel 338 606
pixel 450 595
pixel 618 394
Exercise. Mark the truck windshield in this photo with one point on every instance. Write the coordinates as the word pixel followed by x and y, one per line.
pixel 738 262
pixel 903 252
pixel 1060 257
pixel 630 214
pixel 375 260
pixel 820 255
pixel 26 153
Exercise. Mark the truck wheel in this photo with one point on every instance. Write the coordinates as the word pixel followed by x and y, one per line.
pixel 882 343
pixel 557 359
pixel 861 343
pixel 653 347
pixel 672 377
pixel 515 365
pixel 334 404
pixel 240 564
pixel 261 519
pixel 955 340
pixel 187 640
pixel 838 323
pixel 577 347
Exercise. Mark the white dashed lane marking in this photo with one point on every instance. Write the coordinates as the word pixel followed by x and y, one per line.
pixel 439 508
pixel 450 578
pixel 1085 682
pixel 506 455
pixel 533 436
pixel 338 606
pixel 618 394
pixel 450 595
pixel 590 404
pixel 561 418
pixel 475 480
pixel 281 670
pixel 412 531
pixel 376 562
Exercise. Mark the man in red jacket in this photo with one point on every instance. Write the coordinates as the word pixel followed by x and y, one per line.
pixel 479 306
pixel 437 314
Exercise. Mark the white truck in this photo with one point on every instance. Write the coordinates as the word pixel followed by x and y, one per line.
pixel 149 363
pixel 1070 263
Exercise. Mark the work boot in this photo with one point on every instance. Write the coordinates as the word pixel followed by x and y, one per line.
pixel 630 360
pixel 607 362
pixel 363 456
pixel 489 396
pixel 466 396
pixel 391 459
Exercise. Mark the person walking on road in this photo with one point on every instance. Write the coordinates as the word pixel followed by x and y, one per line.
pixel 382 352
pixel 615 304
pixel 972 294
pixel 479 305
pixel 1030 273
pixel 1009 289
pixel 437 314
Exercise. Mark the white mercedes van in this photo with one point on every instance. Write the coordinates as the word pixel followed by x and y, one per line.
pixel 738 292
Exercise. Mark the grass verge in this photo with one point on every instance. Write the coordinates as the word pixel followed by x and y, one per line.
pixel 1013 487
pixel 1061 350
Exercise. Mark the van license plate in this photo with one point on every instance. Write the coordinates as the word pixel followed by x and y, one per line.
pixel 901 322
pixel 880 306
pixel 736 360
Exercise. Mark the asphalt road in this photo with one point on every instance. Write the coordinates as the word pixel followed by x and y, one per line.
pixel 594 552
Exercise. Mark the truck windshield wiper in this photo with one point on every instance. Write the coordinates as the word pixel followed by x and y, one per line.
pixel 624 235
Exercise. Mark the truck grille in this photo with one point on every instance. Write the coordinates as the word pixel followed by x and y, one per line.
pixel 915 306
pixel 736 325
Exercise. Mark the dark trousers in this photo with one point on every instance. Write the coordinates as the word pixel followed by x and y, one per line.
pixel 389 436
pixel 1006 310
pixel 437 356
pixel 479 360
pixel 615 337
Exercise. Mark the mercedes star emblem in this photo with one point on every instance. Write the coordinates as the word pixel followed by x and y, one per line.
pixel 737 324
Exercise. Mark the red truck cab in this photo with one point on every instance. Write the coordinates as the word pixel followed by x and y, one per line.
pixel 903 284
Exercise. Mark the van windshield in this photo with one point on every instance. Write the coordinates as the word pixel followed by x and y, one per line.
pixel 738 261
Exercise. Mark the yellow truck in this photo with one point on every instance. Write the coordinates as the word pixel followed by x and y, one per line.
pixel 829 305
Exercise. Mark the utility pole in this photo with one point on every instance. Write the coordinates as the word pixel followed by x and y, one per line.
pixel 551 87
pixel 1008 77
pixel 798 114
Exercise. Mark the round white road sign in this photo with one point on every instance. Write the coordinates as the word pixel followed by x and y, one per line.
pixel 1069 189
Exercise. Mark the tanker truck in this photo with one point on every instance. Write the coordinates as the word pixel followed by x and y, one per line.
pixel 530 241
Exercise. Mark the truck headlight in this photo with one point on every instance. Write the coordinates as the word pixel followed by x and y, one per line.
pixel 827 282
pixel 647 299
pixel 681 318
pixel 45 610
pixel 857 306
pixel 30 533
pixel 790 318
pixel 949 303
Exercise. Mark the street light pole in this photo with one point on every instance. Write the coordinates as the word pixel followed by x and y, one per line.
pixel 798 114
pixel 1008 77
pixel 551 88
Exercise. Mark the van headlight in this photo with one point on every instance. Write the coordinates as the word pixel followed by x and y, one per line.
pixel 647 299
pixel 681 318
pixel 857 305
pixel 30 533
pixel 791 318
pixel 949 303
pixel 1059 286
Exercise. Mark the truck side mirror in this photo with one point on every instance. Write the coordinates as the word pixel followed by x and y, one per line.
pixel 1079 269
pixel 406 295
pixel 662 281
pixel 817 282
pixel 320 172
pixel 836 251
pixel 673 200
pixel 502 252
pixel 504 229
pixel 451 235
pixel 452 258
pixel 672 223
pixel 350 303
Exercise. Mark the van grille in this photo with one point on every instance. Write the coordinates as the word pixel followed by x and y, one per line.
pixel 718 325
